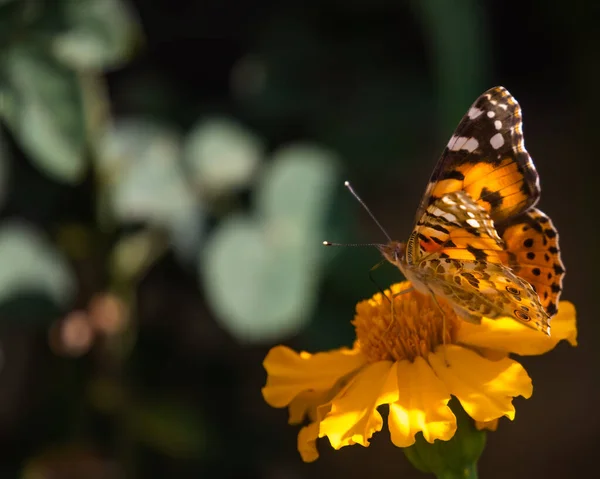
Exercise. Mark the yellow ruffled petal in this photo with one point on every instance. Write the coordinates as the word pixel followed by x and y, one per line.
pixel 307 442
pixel 290 373
pixel 484 388
pixel 306 404
pixel 353 417
pixel 490 425
pixel 422 404
pixel 510 336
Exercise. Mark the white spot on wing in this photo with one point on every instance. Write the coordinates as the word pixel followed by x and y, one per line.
pixel 491 114
pixel 497 141
pixel 449 216
pixel 474 112
pixel 471 215
pixel 504 106
pixel 498 124
pixel 457 143
pixel 471 145
pixel 473 223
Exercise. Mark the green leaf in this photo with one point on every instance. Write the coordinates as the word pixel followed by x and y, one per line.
pixel 43 107
pixel 260 286
pixel 31 265
pixel 297 187
pixel 100 34
pixel 222 155
pixel 140 161
pixel 260 273
pixel 172 428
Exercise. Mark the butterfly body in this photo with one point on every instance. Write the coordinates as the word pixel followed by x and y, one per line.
pixel 478 242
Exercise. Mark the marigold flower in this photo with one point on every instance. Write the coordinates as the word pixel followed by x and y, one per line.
pixel 401 359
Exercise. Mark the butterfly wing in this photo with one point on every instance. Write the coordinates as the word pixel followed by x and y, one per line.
pixel 475 289
pixel 486 157
pixel 457 255
pixel 456 227
pixel 533 253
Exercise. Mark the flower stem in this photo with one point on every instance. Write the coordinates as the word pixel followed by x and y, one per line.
pixel 469 472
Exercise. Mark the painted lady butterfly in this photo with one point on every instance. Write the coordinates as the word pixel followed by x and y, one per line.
pixel 478 241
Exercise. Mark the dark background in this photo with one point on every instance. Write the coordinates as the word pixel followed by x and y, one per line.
pixel 382 84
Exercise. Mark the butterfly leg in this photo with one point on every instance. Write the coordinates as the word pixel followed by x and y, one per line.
pixel 404 291
pixel 375 282
pixel 443 325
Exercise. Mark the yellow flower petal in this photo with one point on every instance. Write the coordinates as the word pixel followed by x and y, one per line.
pixel 307 442
pixel 422 404
pixel 508 335
pixel 290 373
pixel 306 404
pixel 353 417
pixel 490 425
pixel 484 388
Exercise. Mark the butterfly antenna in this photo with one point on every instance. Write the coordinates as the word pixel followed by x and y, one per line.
pixel 347 185
pixel 329 243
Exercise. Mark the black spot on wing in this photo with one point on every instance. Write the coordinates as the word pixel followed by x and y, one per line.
pixel 479 255
pixel 558 269
pixel 452 175
pixel 494 198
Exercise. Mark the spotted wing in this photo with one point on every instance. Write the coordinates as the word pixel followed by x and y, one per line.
pixel 486 157
pixel 456 227
pixel 457 254
pixel 476 289
pixel 533 253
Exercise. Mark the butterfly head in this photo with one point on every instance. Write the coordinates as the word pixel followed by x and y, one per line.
pixel 394 252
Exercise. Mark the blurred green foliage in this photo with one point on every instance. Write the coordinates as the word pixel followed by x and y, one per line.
pixel 167 176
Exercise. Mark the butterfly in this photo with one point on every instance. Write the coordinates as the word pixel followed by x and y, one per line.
pixel 478 241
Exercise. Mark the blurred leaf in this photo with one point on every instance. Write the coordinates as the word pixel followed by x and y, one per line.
pixel 42 105
pixel 100 34
pixel 298 185
pixel 459 43
pixel 31 264
pixel 260 287
pixel 139 160
pixel 172 428
pixel 135 253
pixel 222 155
pixel 260 273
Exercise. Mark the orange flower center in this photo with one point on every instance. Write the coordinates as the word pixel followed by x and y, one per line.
pixel 413 326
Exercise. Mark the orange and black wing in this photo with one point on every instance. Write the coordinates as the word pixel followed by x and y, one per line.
pixel 461 258
pixel 486 157
pixel 533 253
pixel 456 227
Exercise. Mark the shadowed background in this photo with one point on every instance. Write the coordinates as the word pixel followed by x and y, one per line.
pixel 168 171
